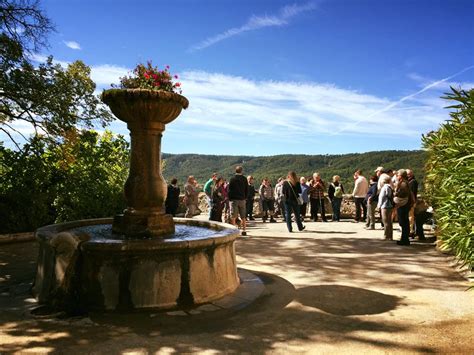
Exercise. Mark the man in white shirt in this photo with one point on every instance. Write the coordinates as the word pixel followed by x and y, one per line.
pixel 361 187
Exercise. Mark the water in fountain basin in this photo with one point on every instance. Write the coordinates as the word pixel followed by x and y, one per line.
pixel 103 233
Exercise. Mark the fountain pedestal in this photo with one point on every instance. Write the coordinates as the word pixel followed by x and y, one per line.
pixel 146 112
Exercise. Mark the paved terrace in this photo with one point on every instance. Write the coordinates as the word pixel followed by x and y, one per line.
pixel 334 288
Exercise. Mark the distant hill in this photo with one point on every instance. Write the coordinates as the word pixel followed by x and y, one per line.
pixel 202 166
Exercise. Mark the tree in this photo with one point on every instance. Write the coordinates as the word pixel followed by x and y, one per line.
pixel 81 177
pixel 50 98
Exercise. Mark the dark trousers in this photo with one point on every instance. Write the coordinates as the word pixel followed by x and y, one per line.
pixel 249 208
pixel 404 222
pixel 171 209
pixel 303 209
pixel 317 204
pixel 292 207
pixel 359 203
pixel 420 220
pixel 336 208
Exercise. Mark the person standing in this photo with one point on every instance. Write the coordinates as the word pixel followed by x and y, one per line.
pixel 361 187
pixel 238 192
pixel 403 202
pixel 316 193
pixel 208 191
pixel 371 202
pixel 291 189
pixel 413 184
pixel 304 196
pixel 190 196
pixel 385 206
pixel 267 199
pixel 279 199
pixel 335 194
pixel 250 198
pixel 172 197
pixel 217 200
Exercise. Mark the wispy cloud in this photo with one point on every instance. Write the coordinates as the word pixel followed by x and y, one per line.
pixel 443 85
pixel 403 99
pixel 72 45
pixel 283 18
pixel 293 115
pixel 293 111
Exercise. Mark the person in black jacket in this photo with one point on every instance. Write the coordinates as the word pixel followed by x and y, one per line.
pixel 238 192
pixel 172 197
pixel 291 191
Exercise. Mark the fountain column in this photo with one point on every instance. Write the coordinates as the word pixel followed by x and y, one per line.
pixel 146 112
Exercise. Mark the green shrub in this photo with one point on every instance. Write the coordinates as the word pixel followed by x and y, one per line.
pixel 449 176
pixel 82 177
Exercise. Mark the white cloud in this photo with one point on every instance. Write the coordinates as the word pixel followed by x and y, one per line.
pixel 291 111
pixel 257 22
pixel 73 45
pixel 106 74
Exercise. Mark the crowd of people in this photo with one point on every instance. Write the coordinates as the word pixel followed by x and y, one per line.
pixel 392 193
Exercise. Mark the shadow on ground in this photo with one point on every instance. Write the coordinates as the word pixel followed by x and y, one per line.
pixel 282 314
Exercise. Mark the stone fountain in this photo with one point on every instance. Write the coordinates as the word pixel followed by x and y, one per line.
pixel 143 258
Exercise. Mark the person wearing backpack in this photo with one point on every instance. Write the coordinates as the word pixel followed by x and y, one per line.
pixel 335 193
pixel 385 205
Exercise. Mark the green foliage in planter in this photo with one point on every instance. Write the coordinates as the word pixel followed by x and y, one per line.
pixel 82 177
pixel 449 176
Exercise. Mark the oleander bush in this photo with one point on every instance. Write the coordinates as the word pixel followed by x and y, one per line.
pixel 449 176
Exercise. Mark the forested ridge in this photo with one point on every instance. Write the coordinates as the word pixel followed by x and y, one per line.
pixel 273 167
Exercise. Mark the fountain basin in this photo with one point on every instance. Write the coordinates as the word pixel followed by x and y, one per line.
pixel 83 266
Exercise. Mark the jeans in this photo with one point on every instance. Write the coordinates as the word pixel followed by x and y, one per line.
pixel 336 208
pixel 290 207
pixel 359 202
pixel 317 203
pixel 404 222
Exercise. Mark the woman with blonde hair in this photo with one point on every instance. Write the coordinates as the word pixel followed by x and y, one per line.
pixel 335 193
pixel 291 191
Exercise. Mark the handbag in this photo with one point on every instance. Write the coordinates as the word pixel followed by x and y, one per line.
pixel 299 199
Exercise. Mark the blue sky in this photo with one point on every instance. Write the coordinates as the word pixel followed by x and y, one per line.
pixel 267 77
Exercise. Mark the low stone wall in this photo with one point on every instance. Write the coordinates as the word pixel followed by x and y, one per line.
pixel 347 206
pixel 17 237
